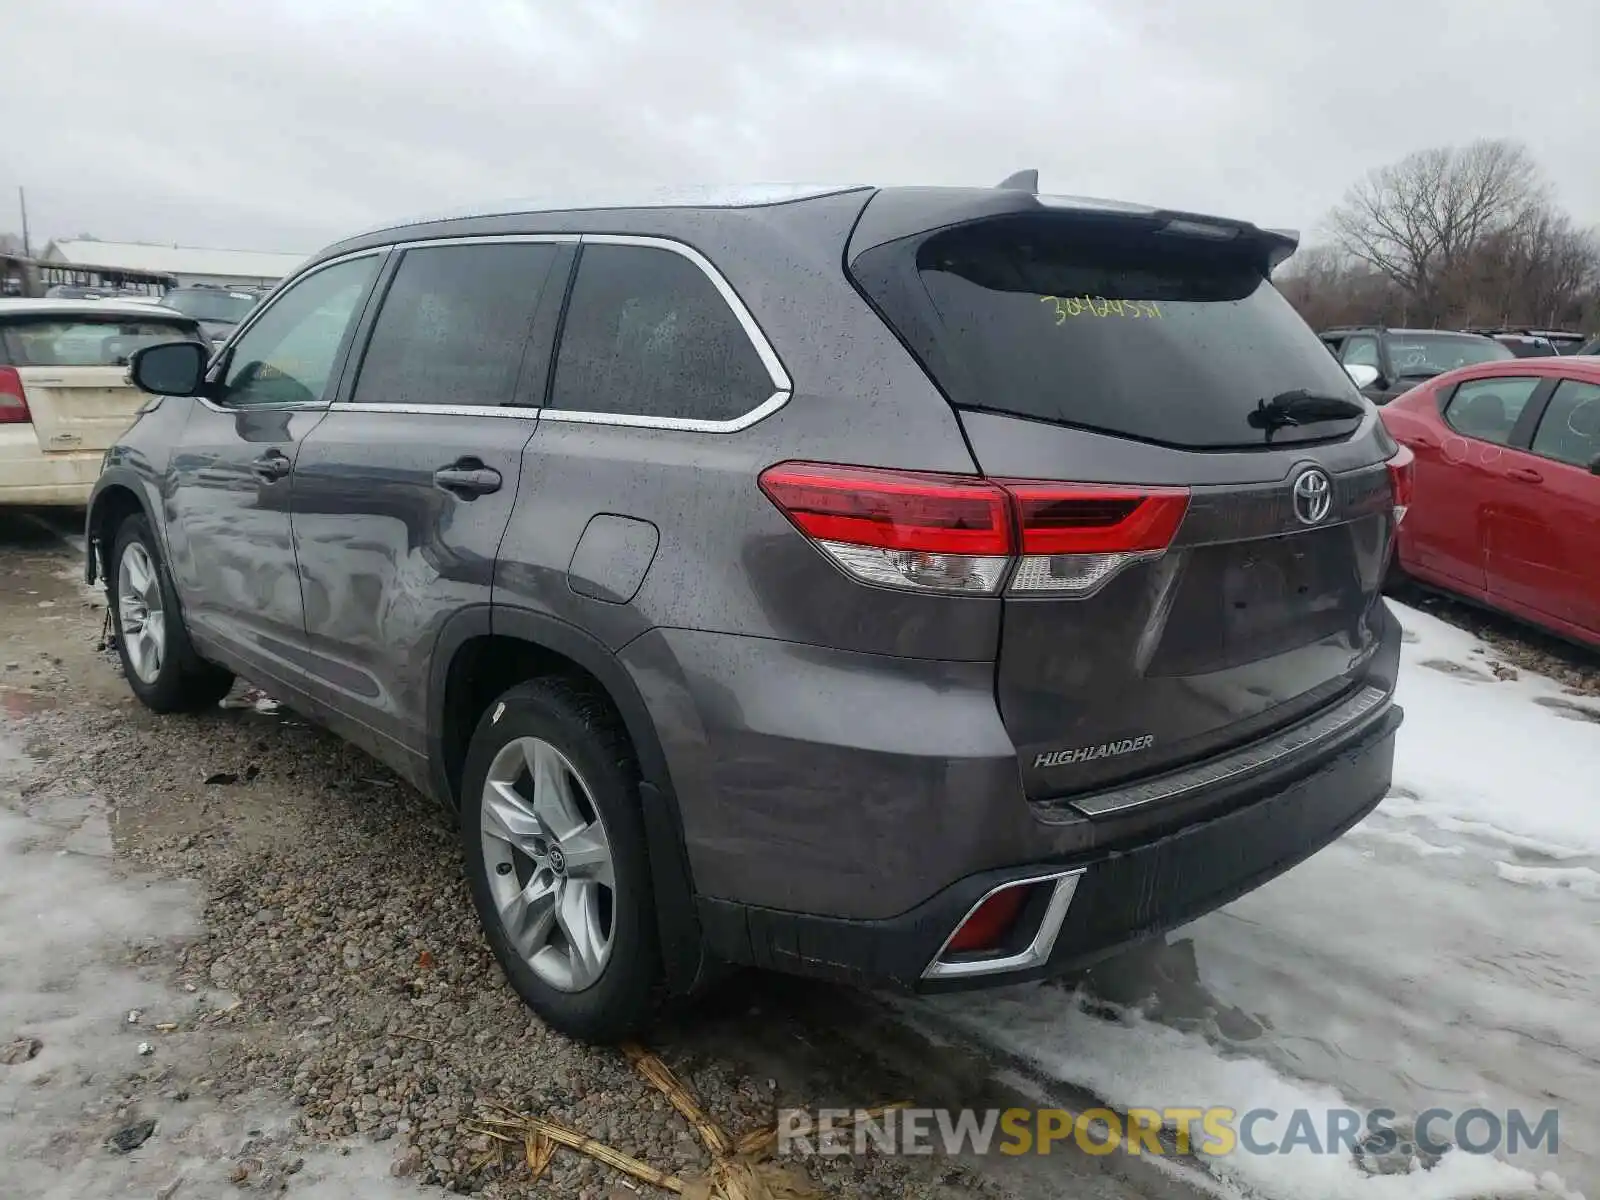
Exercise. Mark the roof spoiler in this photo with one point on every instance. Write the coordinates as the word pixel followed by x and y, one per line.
pixel 1021 181
pixel 895 213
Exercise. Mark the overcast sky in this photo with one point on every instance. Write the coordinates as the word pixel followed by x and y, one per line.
pixel 283 124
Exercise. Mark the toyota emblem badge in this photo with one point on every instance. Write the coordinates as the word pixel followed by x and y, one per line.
pixel 1313 496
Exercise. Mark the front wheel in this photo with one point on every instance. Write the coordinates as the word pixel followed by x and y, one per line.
pixel 556 859
pixel 161 666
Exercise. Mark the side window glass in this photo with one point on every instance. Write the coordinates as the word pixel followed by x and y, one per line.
pixel 454 325
pixel 1361 352
pixel 1569 430
pixel 1487 409
pixel 287 356
pixel 648 334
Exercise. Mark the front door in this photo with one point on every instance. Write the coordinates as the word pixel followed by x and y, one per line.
pixel 231 473
pixel 402 494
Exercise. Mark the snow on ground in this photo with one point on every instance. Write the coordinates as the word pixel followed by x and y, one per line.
pixel 1446 953
pixel 71 924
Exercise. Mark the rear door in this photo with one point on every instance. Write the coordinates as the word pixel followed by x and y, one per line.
pixel 74 371
pixel 1478 507
pixel 1544 544
pixel 402 494
pixel 1227 581
pixel 1439 540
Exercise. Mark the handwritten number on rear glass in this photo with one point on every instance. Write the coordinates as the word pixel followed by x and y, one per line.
pixel 1099 306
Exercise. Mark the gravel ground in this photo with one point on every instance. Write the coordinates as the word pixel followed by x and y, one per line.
pixel 340 964
pixel 1520 646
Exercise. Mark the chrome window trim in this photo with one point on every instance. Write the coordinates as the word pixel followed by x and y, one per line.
pixel 783 386
pixel 278 293
pixel 1035 953
pixel 454 410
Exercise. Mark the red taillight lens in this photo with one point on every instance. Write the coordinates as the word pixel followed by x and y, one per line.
pixel 897 510
pixel 1402 480
pixel 13 400
pixel 961 533
pixel 907 529
pixel 989 923
pixel 1070 518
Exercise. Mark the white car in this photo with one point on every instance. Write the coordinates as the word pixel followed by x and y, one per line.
pixel 64 391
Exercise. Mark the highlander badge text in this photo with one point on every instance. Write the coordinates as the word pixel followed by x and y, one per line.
pixel 1061 758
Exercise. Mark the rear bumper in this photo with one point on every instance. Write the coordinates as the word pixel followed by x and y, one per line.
pixel 30 476
pixel 1120 897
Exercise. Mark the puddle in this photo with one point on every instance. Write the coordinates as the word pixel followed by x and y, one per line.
pixel 1447 667
pixel 1566 708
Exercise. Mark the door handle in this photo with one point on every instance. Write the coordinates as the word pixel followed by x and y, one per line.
pixel 467 478
pixel 271 466
pixel 1524 474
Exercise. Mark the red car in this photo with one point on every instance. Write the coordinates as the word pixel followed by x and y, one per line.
pixel 1505 508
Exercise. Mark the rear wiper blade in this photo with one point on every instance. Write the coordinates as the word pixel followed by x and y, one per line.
pixel 1302 407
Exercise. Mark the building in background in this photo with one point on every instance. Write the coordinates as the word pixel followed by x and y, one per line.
pixel 137 266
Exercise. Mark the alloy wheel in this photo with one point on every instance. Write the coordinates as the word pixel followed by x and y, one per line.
pixel 140 612
pixel 549 864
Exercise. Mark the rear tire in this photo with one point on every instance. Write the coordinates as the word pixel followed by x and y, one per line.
pixel 158 659
pixel 556 858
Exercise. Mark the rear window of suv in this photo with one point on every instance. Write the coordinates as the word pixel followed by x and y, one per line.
pixel 86 342
pixel 1106 326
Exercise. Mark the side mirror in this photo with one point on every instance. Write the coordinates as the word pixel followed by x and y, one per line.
pixel 1594 465
pixel 170 368
pixel 1362 375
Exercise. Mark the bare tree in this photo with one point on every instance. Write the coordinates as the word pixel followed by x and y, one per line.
pixel 1417 220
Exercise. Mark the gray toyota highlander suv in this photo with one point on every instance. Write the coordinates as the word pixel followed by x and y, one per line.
pixel 922 587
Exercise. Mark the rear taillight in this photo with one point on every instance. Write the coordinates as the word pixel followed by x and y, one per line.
pixel 960 533
pixel 1402 479
pixel 13 400
pixel 1077 536
pixel 900 528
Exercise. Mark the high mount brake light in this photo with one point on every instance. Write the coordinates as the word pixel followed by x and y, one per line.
pixel 962 533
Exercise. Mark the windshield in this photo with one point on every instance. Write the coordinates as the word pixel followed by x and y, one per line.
pixel 1434 354
pixel 228 308
pixel 1116 328
pixel 87 341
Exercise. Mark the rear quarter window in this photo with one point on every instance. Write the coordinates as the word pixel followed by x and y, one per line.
pixel 87 342
pixel 648 335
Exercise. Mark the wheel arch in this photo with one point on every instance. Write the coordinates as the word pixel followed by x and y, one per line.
pixel 551 646
pixel 118 495
pixel 504 646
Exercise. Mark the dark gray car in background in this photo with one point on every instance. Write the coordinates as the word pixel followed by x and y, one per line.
pixel 921 587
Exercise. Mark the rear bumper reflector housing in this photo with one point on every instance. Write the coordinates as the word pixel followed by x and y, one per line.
pixel 952 962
